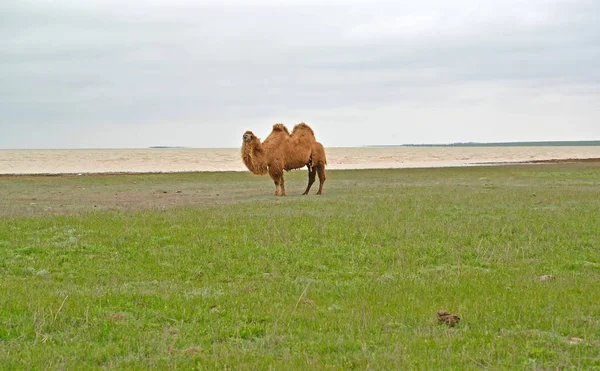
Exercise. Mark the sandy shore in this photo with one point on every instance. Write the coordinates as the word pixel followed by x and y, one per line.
pixel 228 159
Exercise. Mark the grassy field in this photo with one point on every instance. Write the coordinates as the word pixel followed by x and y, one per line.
pixel 210 271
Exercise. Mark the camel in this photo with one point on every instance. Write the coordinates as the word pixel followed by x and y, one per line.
pixel 284 151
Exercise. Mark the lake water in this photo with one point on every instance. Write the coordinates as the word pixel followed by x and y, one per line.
pixel 75 161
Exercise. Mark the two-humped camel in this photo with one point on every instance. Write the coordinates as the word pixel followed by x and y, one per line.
pixel 284 151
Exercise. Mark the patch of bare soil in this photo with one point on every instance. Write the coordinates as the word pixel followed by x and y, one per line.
pixel 67 194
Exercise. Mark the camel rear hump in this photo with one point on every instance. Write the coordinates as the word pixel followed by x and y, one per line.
pixel 303 129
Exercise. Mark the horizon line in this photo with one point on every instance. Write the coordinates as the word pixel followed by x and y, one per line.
pixel 564 143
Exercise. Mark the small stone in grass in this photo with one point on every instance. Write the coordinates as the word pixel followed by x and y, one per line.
pixel 575 340
pixel 546 277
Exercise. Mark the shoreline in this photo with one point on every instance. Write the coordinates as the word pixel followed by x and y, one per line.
pixel 474 164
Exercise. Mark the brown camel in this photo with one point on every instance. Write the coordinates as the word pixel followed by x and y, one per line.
pixel 284 151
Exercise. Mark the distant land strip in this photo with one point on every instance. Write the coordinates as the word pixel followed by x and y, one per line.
pixel 551 161
pixel 580 143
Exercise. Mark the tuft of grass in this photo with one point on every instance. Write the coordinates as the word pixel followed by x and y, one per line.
pixel 112 272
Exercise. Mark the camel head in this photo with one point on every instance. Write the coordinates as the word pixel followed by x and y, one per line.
pixel 253 154
pixel 248 137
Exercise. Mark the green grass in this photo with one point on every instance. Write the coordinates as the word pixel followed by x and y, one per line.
pixel 158 271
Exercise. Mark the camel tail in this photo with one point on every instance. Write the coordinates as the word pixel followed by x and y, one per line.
pixel 319 154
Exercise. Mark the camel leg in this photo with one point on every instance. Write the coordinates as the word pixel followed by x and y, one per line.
pixel 282 183
pixel 312 172
pixel 279 184
pixel 277 177
pixel 321 170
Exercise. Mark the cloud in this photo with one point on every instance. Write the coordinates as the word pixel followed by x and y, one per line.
pixel 153 70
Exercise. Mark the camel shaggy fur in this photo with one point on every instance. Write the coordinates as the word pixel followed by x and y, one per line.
pixel 283 150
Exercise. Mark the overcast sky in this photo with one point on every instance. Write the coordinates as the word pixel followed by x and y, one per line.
pixel 133 73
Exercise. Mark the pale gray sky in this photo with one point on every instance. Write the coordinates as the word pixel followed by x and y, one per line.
pixel 133 73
